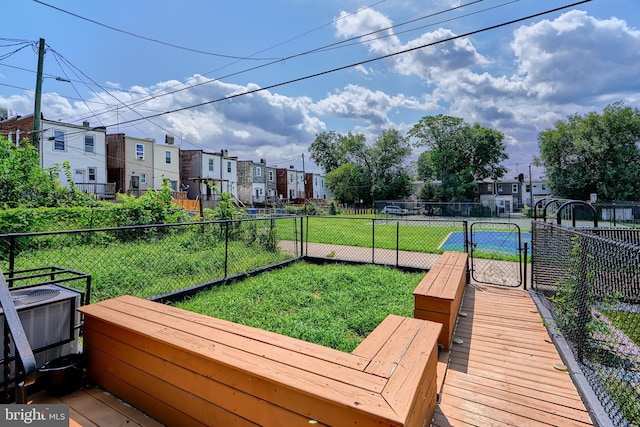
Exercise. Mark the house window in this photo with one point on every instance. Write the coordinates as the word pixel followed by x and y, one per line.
pixel 58 140
pixel 543 187
pixel 211 165
pixel 527 188
pixel 89 144
pixel 92 174
pixel 139 152
pixel 143 178
pixel 270 175
pixel 514 188
pixel 167 157
pixel 174 185
pixel 229 167
pixel 499 187
pixel 258 171
pixel 291 179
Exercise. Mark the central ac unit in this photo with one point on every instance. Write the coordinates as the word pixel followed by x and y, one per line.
pixel 49 319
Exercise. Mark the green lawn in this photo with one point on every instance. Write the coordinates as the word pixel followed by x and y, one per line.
pixel 417 236
pixel 333 305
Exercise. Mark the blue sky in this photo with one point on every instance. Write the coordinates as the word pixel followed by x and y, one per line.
pixel 519 78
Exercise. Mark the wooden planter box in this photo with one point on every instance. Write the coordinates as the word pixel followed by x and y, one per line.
pixel 439 294
pixel 186 369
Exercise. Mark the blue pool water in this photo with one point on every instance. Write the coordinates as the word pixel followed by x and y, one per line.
pixel 504 242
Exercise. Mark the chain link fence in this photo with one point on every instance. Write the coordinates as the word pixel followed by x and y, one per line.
pixel 591 284
pixel 406 242
pixel 147 261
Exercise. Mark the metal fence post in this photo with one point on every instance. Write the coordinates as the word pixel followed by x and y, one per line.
pixel 226 248
pixel 373 241
pixel 12 257
pixel 524 265
pixel 397 243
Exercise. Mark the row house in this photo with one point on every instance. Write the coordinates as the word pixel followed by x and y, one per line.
pixel 205 174
pixel 256 183
pixel 106 164
pixel 315 188
pixel 166 164
pixel 290 184
pixel 137 165
pixel 130 163
pixel 83 147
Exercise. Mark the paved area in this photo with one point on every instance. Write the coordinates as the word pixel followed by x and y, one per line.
pixel 503 273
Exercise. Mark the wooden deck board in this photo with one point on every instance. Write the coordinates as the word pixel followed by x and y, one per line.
pixel 502 374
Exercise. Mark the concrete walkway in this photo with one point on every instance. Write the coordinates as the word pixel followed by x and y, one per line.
pixel 485 271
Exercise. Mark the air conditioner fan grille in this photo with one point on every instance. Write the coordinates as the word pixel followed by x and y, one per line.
pixel 30 296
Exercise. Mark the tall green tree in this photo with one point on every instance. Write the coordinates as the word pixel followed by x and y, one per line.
pixel 461 154
pixel 425 167
pixel 358 171
pixel 594 153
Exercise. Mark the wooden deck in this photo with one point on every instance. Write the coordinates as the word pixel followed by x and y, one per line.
pixel 501 375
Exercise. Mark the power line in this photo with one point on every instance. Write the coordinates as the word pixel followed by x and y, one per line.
pixel 244 58
pixel 304 53
pixel 344 67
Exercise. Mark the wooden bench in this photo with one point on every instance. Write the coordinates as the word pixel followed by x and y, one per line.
pixel 187 369
pixel 439 294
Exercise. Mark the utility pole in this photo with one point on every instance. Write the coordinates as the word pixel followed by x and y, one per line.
pixel 304 185
pixel 35 135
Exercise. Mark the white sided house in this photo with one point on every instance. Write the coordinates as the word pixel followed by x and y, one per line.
pixel 83 147
pixel 166 158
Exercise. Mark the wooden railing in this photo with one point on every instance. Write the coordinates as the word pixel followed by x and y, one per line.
pixel 103 190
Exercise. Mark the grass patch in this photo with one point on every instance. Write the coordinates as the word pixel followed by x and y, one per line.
pixel 627 322
pixel 146 267
pixel 409 235
pixel 334 305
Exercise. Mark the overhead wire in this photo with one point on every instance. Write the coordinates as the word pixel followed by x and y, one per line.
pixel 359 63
pixel 186 86
pixel 129 33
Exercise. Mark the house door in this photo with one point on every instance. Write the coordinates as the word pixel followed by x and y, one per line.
pixel 78 176
pixel 135 182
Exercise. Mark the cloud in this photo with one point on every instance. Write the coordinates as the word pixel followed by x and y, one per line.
pixel 426 63
pixel 578 57
pixel 365 105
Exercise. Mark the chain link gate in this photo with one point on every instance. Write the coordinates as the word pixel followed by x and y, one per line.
pixel 496 254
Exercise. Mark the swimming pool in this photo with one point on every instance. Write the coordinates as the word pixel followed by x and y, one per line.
pixel 503 242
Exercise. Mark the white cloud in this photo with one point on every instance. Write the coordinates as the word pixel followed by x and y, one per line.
pixel 365 105
pixel 577 56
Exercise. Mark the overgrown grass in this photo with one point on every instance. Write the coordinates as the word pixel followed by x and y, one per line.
pixel 146 267
pixel 333 305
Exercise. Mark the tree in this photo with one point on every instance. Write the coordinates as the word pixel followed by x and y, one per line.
pixel 23 183
pixel 357 171
pixel 594 153
pixel 427 191
pixel 460 154
pixel 425 167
